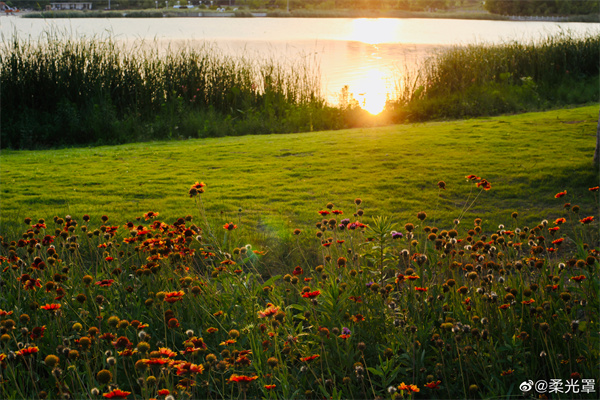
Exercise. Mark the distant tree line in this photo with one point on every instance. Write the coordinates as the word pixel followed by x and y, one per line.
pixel 503 7
pixel 542 7
pixel 411 5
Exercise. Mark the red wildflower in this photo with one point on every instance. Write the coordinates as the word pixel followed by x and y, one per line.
pixel 150 214
pixel 420 289
pixel 324 212
pixel 578 278
pixel 311 295
pixel 298 271
pixel 553 229
pixel 356 299
pixel 37 332
pixel 587 220
pixel 230 226
pixel 109 258
pixel 484 184
pixel 473 177
pixel 27 351
pixel 270 387
pixel 344 336
pixel 50 307
pixel 31 284
pixel 116 394
pixel 105 282
pixel 122 342
pixel 594 189
pixel 127 352
pixel 157 361
pixel 433 385
pixel 163 392
pixel 558 241
pixel 196 188
pixel 212 330
pixel 509 372
pixel 526 302
pixel 172 297
pixel 560 194
pixel 504 306
pixel 559 221
pixel 107 336
pixel 357 318
pixel 310 358
pixel 337 212
pixel 189 368
pixel 242 378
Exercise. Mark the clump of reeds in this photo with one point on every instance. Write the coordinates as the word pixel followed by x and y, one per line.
pixel 57 84
pixel 484 79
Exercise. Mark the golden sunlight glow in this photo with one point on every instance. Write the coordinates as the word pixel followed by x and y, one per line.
pixel 373 31
pixel 371 91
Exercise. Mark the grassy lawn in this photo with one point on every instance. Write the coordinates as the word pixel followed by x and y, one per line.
pixel 165 307
pixel 280 181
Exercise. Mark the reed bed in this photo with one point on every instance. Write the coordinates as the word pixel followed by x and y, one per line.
pixel 481 79
pixel 64 91
pixel 67 91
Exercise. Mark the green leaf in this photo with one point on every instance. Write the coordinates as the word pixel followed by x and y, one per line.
pixel 375 371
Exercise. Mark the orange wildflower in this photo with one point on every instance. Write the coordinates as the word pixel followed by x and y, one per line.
pixel 560 194
pixel 409 388
pixel 269 311
pixel 51 307
pixel 230 226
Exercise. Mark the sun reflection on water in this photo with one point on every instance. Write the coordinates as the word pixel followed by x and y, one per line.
pixel 371 90
pixel 370 85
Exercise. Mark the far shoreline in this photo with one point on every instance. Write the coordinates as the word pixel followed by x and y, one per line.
pixel 206 13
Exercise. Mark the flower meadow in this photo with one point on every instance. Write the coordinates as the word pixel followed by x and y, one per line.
pixel 95 308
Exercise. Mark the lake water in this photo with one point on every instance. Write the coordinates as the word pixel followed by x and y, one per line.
pixel 367 55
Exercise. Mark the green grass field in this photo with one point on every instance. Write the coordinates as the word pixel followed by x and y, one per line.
pixel 157 308
pixel 280 181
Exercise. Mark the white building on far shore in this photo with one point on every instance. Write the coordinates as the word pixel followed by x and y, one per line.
pixel 71 6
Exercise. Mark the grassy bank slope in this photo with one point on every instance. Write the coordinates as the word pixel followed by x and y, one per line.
pixel 281 181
